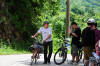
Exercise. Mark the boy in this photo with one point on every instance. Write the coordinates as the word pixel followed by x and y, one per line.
pixel 75 44
pixel 47 41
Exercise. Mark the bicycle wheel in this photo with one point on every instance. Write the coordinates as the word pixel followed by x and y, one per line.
pixel 35 60
pixel 32 60
pixel 34 57
pixel 60 56
pixel 98 64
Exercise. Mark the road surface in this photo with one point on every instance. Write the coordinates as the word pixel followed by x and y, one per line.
pixel 24 60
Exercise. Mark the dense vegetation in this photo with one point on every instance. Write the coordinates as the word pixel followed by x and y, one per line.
pixel 19 19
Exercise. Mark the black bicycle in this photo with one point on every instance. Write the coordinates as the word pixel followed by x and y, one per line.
pixel 80 53
pixel 61 54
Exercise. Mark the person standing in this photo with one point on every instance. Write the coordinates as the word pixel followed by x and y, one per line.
pixel 97 37
pixel 47 41
pixel 75 44
pixel 97 32
pixel 88 41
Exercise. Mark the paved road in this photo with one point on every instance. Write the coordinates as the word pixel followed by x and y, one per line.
pixel 24 60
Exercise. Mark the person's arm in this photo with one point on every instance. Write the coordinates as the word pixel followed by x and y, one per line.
pixel 36 34
pixel 74 34
pixel 77 33
pixel 49 36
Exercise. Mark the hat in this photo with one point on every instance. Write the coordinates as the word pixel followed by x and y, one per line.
pixel 46 22
pixel 91 20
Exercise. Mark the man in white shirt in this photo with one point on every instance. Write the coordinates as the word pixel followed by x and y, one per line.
pixel 47 41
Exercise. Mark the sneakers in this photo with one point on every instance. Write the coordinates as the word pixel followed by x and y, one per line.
pixel 75 63
pixel 71 62
pixel 45 63
pixel 49 62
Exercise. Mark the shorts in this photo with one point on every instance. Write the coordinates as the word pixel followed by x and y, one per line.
pixel 87 53
pixel 74 50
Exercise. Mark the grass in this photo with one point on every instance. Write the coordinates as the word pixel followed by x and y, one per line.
pixel 9 51
pixel 19 48
pixel 5 49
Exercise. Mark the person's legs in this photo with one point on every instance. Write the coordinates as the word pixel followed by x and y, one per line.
pixel 77 59
pixel 87 55
pixel 73 58
pixel 85 62
pixel 45 53
pixel 50 51
pixel 72 53
pixel 75 53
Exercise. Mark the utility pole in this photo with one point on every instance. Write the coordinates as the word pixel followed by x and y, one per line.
pixel 67 18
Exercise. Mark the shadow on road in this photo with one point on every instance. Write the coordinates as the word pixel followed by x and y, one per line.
pixel 40 63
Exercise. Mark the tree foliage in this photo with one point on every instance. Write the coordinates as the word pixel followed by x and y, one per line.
pixel 19 19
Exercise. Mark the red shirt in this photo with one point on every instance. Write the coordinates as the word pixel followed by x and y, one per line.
pixel 97 35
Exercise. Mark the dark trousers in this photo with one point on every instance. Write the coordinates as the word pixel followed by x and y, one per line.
pixel 47 56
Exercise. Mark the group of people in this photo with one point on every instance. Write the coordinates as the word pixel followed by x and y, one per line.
pixel 86 39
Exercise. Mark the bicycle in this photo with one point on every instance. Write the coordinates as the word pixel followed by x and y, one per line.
pixel 95 60
pixel 61 54
pixel 36 46
pixel 80 53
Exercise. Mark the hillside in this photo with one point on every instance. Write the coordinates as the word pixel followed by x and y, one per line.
pixel 83 4
pixel 81 10
pixel 93 4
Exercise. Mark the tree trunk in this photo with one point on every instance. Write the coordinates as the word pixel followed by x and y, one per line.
pixel 67 18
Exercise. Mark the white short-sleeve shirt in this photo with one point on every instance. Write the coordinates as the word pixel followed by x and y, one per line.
pixel 45 33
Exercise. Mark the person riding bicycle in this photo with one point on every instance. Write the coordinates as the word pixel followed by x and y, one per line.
pixel 88 40
pixel 47 41
pixel 75 44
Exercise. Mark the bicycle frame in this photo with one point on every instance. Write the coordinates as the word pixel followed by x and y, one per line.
pixel 95 59
pixel 36 51
pixel 62 46
pixel 35 54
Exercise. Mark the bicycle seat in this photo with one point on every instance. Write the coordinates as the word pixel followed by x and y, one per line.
pixel 38 46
